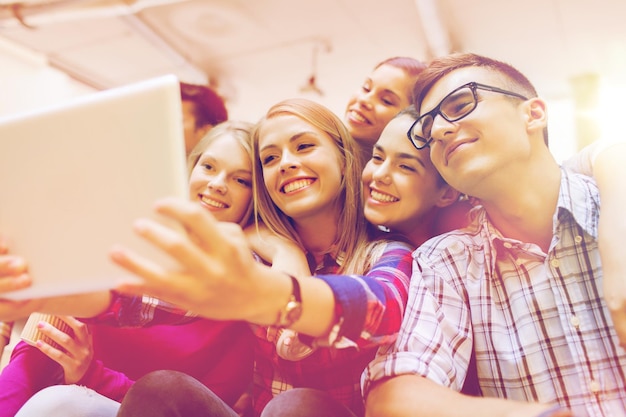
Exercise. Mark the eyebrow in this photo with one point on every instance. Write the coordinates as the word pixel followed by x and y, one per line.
pixel 402 155
pixel 385 90
pixel 207 157
pixel 292 138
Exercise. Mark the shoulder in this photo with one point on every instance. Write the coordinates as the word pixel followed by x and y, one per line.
pixel 578 189
pixel 458 246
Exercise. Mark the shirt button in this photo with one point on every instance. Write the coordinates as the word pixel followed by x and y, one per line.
pixel 594 386
pixel 507 245
pixel 578 239
pixel 555 263
pixel 575 321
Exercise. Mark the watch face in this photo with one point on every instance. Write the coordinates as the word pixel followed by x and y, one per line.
pixel 293 312
pixel 289 346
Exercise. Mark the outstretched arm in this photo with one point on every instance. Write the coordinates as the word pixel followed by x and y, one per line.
pixel 217 276
pixel 605 162
pixel 609 170
pixel 415 396
pixel 281 254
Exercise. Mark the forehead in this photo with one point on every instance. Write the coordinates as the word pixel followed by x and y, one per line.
pixel 283 127
pixel 455 79
pixel 393 136
pixel 390 73
pixel 225 147
pixel 391 78
pixel 394 140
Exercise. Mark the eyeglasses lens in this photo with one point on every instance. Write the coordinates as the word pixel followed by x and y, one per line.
pixel 453 107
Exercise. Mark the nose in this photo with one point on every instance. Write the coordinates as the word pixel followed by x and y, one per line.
pixel 288 161
pixel 364 99
pixel 442 129
pixel 218 183
pixel 382 173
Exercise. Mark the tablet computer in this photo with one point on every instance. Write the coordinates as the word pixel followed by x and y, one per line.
pixel 75 176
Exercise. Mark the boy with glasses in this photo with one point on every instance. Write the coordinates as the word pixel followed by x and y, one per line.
pixel 520 291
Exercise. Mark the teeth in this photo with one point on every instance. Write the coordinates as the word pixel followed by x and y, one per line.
pixel 383 198
pixel 213 203
pixel 296 185
pixel 358 117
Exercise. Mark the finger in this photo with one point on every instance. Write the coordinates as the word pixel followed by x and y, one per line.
pixel 14 282
pixel 194 218
pixel 174 243
pixel 151 277
pixel 12 265
pixel 53 353
pixel 80 330
pixel 58 336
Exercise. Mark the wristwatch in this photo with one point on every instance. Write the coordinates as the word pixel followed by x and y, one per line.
pixel 293 309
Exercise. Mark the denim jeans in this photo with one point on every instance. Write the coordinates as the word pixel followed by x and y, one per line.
pixel 174 394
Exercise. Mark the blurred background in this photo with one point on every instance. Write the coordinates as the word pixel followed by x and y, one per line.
pixel 257 52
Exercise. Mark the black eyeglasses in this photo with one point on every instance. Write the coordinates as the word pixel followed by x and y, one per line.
pixel 455 106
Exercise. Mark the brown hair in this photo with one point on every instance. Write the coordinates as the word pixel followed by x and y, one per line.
pixel 209 109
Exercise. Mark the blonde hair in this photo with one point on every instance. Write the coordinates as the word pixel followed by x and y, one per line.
pixel 351 224
pixel 242 132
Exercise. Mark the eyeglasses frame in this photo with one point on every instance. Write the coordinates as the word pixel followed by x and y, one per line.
pixel 473 86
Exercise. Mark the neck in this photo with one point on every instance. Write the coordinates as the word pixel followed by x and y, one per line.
pixel 317 235
pixel 422 230
pixel 524 209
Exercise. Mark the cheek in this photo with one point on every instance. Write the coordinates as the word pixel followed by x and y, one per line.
pixel 242 199
pixel 196 182
pixel 436 154
pixel 366 176
pixel 351 101
pixel 268 175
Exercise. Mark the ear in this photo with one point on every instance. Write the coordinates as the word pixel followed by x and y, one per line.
pixel 448 196
pixel 536 115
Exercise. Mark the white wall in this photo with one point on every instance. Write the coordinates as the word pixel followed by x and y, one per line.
pixel 27 82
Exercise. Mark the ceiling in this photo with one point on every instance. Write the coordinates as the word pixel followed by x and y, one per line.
pixel 257 52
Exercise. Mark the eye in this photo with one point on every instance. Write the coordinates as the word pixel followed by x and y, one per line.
pixel 458 104
pixel 304 146
pixel 268 159
pixel 377 158
pixel 207 166
pixel 409 168
pixel 389 101
pixel 244 181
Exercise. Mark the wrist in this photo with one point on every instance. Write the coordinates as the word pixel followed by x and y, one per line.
pixel 292 310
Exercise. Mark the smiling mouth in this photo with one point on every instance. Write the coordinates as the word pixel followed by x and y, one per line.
pixel 358 117
pixel 454 148
pixel 296 185
pixel 382 197
pixel 213 203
